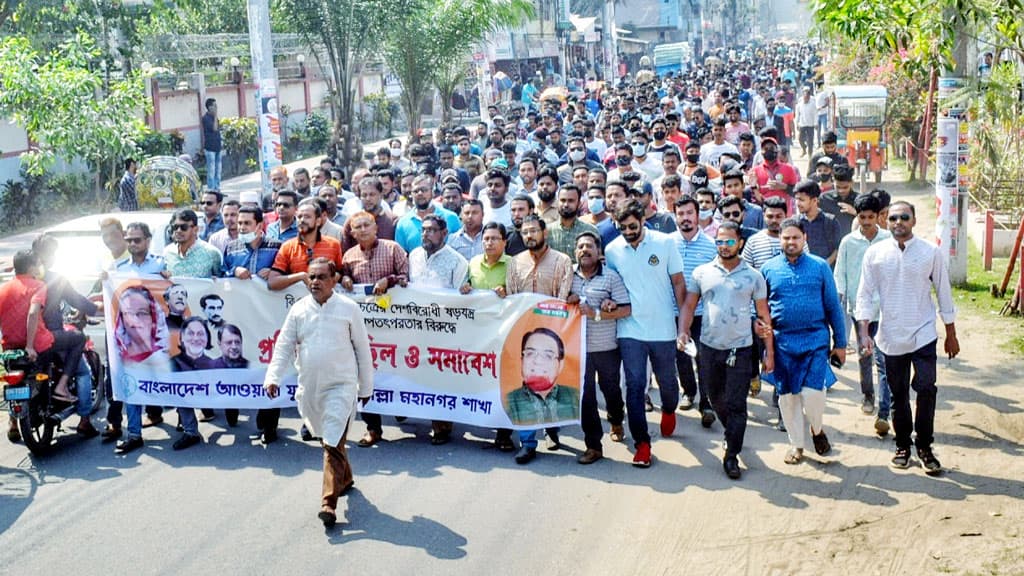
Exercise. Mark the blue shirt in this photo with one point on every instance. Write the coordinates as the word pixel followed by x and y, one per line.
pixel 274 231
pixel 646 270
pixel 804 303
pixel 239 254
pixel 700 250
pixel 608 231
pixel 151 265
pixel 409 231
pixel 212 227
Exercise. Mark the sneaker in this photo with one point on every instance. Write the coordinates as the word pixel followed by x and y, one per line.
pixel 707 418
pixel 686 403
pixel 881 426
pixel 932 466
pixel 732 467
pixel 642 458
pixel 668 424
pixel 868 405
pixel 590 456
pixel 618 433
pixel 821 443
pixel 126 446
pixel 902 458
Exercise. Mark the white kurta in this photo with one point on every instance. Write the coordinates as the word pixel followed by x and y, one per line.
pixel 331 351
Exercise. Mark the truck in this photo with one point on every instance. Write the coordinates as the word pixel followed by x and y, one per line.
pixel 672 57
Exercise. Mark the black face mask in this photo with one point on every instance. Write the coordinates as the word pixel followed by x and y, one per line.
pixel 622 161
pixel 771 155
pixel 588 133
pixel 825 177
pixel 693 158
pixel 659 135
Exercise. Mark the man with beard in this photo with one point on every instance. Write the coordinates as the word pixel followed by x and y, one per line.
pixel 547 189
pixel 292 260
pixel 603 301
pixel 229 214
pixel 616 194
pixel 652 270
pixel 527 180
pixel 806 316
pixel 898 277
pixel 562 236
pixel 301 183
pixel 519 208
pixel 726 287
pixel 468 241
pixel 409 231
pixel 695 248
pixel 540 270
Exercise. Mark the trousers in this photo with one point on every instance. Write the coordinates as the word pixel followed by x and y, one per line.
pixel 337 472
pixel 897 370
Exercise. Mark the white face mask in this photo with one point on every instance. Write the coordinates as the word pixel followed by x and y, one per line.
pixel 576 155
pixel 396 152
pixel 595 205
pixel 639 149
pixel 705 214
pixel 246 237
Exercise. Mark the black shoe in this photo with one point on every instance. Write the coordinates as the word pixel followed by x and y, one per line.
pixel 328 517
pixel 821 443
pixel 150 421
pixel 126 446
pixel 268 436
pixel 503 442
pixel 707 418
pixel 440 438
pixel 732 467
pixel 932 466
pixel 306 435
pixel 553 443
pixel 525 455
pixel 902 458
pixel 401 419
pixel 186 441
pixel 110 434
pixel 231 415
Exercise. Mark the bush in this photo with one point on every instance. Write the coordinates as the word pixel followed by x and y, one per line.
pixel 155 143
pixel 317 132
pixel 21 201
pixel 65 191
pixel 240 144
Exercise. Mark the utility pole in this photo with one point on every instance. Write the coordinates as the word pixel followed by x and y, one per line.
pixel 951 193
pixel 265 76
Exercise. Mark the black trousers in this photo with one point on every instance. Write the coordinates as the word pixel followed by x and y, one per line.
pixel 727 387
pixel 267 419
pixel 601 369
pixel 687 371
pixel 897 372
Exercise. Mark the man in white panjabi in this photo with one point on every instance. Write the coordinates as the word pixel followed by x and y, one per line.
pixel 324 336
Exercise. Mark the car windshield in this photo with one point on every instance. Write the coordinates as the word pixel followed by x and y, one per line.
pixel 862 112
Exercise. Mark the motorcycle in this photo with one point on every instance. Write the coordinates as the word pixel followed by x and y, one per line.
pixel 28 391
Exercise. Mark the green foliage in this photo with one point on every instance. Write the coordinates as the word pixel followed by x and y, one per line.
pixel 21 201
pixel 318 132
pixel 66 106
pixel 996 164
pixel 155 143
pixel 383 113
pixel 239 136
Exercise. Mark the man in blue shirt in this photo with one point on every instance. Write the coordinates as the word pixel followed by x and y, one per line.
pixel 287 226
pixel 652 270
pixel 253 252
pixel 409 231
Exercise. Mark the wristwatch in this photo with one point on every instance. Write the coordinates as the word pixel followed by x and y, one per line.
pixel 597 314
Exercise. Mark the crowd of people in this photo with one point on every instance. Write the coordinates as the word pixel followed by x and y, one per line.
pixel 673 213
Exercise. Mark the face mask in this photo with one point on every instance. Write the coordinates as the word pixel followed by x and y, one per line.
pixel 659 135
pixel 396 152
pixel 771 155
pixel 693 158
pixel 639 149
pixel 825 177
pixel 576 155
pixel 595 205
pixel 622 161
pixel 588 134
pixel 705 214
pixel 247 237
pixel 646 118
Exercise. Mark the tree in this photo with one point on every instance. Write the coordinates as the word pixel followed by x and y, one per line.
pixel 60 101
pixel 349 32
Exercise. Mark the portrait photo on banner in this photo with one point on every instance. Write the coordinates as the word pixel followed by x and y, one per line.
pixel 541 376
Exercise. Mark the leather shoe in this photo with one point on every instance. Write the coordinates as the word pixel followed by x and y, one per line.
pixel 268 436
pixel 110 434
pixel 590 456
pixel 207 415
pixel 327 516
pixel 503 442
pixel 440 438
pixel 525 455
pixel 87 432
pixel 368 439
pixel 707 418
pixel 150 421
pixel 553 442
pixel 231 415
pixel 307 436
pixel 732 467
pixel 126 446
pixel 186 441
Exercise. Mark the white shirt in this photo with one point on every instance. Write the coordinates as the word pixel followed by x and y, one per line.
pixel 711 152
pixel 598 146
pixel 445 268
pixel 503 214
pixel 806 113
pixel 902 282
pixel 331 350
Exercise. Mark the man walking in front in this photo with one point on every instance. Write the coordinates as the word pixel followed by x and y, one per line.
pixel 901 272
pixel 324 336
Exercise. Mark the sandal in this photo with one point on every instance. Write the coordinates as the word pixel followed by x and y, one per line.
pixel 794 456
pixel 755 386
pixel 64 398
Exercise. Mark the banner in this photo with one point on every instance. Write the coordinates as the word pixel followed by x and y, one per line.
pixel 476 358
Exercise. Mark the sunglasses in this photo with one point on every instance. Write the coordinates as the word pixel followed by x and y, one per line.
pixel 895 217
pixel 731 214
pixel 284 204
pixel 633 226
pixel 181 227
pixel 730 242
pixel 135 240
pixel 208 203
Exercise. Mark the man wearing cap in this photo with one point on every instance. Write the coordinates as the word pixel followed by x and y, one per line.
pixel 806 120
pixel 823 174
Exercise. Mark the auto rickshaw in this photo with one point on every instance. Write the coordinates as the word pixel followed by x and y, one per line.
pixel 857 115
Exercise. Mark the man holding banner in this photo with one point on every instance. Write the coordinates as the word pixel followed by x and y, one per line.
pixel 325 336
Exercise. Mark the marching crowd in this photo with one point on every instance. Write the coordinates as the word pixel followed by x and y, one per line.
pixel 703 258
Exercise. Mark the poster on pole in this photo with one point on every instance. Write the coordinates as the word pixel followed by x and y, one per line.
pixel 514 362
pixel 952 152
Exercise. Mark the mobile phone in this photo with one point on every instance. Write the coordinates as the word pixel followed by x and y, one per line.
pixel 834 360
pixel 368 289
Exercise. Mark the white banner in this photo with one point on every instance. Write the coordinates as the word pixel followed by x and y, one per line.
pixel 478 359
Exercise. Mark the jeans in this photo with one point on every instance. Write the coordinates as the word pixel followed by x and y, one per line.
pixel 897 370
pixel 601 369
pixel 213 166
pixel 728 386
pixel 687 373
pixel 867 381
pixel 134 414
pixel 635 354
pixel 528 438
pixel 83 382
pixel 187 418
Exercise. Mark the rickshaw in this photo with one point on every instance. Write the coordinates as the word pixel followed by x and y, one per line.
pixel 857 115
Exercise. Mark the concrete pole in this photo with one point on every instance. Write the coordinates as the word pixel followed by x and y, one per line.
pixel 265 77
pixel 609 42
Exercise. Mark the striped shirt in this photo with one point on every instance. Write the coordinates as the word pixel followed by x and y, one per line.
pixel 760 248
pixel 699 250
pixel 550 275
pixel 466 245
pixel 564 239
pixel 605 284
